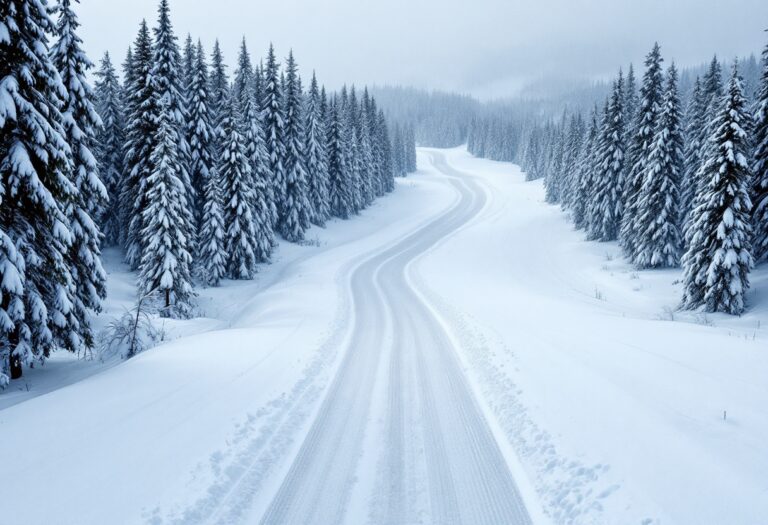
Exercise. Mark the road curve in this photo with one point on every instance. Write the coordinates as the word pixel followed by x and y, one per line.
pixel 437 458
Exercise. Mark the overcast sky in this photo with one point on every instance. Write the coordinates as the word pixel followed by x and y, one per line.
pixel 483 47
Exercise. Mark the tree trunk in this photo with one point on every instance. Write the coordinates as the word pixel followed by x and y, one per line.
pixel 14 361
pixel 167 298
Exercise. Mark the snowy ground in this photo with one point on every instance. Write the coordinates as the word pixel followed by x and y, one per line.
pixel 452 355
pixel 614 401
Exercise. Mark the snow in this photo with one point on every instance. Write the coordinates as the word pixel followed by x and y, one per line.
pixel 150 437
pixel 607 404
pixel 600 392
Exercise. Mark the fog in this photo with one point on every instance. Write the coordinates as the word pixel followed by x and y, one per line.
pixel 488 48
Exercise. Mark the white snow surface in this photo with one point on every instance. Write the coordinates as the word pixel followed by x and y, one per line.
pixel 455 354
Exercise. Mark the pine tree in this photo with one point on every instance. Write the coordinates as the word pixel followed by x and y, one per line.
pixel 188 61
pixel 398 147
pixel 553 180
pixel 631 99
pixel 211 266
pixel 410 157
pixel 110 139
pixel 294 210
pixel 80 123
pixel 200 134
pixel 365 150
pixel 639 149
pixel 262 205
pixel 386 170
pixel 351 148
pixel 573 146
pixel 604 214
pixel 760 166
pixel 317 163
pixel 695 115
pixel 532 154
pixel 243 76
pixel 377 153
pixel 713 90
pixel 140 132
pixel 218 89
pixel 166 261
pixel 711 95
pixel 273 128
pixel 718 260
pixel 584 174
pixel 235 172
pixel 658 241
pixel 166 80
pixel 339 198
pixel 35 161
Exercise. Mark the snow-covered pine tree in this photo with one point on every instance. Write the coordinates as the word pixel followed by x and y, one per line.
pixel 371 120
pixel 316 156
pixel 631 98
pixel 218 89
pixel 236 180
pixel 243 76
pixel 211 264
pixel 352 145
pixel 257 85
pixel 272 111
pixel 140 132
pixel 370 115
pixel 188 60
pixel 398 148
pixel 110 139
pixel 166 261
pixel 212 261
pixel 694 123
pixel 386 171
pixel 658 239
pixel 532 154
pixel 631 103
pixel 262 205
pixel 604 214
pixel 166 80
pixel 90 197
pixel 573 147
pixel 339 198
pixel 365 149
pixel 553 178
pixel 717 263
pixel 200 129
pixel 266 176
pixel 584 174
pixel 760 165
pixel 639 147
pixel 294 210
pixel 35 161
pixel 410 157
pixel 712 84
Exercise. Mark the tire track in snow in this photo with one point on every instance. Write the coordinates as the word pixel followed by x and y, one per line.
pixel 468 478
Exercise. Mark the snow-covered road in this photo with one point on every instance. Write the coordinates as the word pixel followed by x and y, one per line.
pixel 437 457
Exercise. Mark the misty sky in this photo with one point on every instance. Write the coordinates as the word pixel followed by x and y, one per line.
pixel 483 47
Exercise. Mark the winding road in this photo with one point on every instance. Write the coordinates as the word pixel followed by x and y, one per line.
pixel 399 435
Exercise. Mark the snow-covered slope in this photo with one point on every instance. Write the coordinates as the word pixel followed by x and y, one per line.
pixel 453 353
